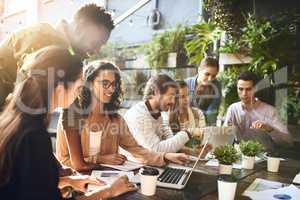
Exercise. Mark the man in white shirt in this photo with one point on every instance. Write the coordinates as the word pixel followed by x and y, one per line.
pixel 253 118
pixel 145 122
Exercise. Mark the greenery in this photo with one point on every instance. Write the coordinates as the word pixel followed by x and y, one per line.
pixel 290 109
pixel 251 148
pixel 226 154
pixel 270 43
pixel 204 34
pixel 228 78
pixel 260 39
pixel 158 49
pixel 227 14
pixel 140 82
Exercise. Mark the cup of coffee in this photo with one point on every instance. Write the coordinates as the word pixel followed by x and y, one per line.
pixel 226 187
pixel 273 164
pixel 148 177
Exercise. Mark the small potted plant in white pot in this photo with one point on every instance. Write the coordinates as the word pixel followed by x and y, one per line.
pixel 250 149
pixel 226 155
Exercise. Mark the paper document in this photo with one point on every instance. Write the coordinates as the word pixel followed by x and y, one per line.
pixel 288 193
pixel 297 179
pixel 127 166
pixel 259 185
pixel 111 176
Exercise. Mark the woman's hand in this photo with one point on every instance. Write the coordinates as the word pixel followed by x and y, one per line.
pixel 112 159
pixel 179 158
pixel 80 182
pixel 121 186
pixel 207 149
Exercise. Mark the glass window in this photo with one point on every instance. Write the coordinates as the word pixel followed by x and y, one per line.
pixel 12 6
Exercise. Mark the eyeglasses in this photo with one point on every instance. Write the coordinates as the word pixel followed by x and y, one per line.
pixel 107 84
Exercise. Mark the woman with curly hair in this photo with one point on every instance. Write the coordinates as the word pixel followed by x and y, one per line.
pixel 91 130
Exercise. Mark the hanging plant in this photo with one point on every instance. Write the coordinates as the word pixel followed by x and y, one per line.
pixel 204 34
pixel 158 49
pixel 227 14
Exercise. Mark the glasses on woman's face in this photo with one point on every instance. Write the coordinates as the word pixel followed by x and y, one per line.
pixel 107 84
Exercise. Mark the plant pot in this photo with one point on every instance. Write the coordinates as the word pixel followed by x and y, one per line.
pixel 226 187
pixel 273 164
pixel 248 162
pixel 225 169
pixel 233 58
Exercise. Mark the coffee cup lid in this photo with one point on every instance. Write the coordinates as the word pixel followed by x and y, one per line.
pixel 149 171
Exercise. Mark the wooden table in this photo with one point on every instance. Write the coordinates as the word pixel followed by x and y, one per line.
pixel 204 186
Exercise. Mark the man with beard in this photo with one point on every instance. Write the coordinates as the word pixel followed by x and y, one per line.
pixel 145 122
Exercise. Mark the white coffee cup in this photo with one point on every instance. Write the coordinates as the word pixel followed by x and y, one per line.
pixel 226 188
pixel 273 164
pixel 148 181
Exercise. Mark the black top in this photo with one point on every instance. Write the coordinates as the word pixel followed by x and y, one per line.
pixel 35 171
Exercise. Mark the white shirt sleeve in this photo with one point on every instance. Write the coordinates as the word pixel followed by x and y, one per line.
pixel 229 117
pixel 154 136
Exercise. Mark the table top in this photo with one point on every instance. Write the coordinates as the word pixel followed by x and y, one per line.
pixel 203 186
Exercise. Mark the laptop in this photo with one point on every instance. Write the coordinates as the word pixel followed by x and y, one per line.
pixel 177 177
pixel 219 136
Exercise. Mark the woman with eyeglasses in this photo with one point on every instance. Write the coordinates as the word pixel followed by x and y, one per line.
pixel 91 131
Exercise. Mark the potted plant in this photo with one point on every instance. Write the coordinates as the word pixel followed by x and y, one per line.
pixel 226 155
pixel 250 149
pixel 166 48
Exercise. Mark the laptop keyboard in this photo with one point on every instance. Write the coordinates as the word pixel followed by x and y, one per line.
pixel 171 175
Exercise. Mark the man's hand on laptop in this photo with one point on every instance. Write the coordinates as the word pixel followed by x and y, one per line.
pixel 178 158
pixel 113 159
pixel 207 149
pixel 196 132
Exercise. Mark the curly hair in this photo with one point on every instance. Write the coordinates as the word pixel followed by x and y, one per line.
pixel 96 14
pixel 84 98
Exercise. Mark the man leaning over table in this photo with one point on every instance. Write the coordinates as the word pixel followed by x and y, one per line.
pixel 253 118
pixel 84 35
pixel 146 124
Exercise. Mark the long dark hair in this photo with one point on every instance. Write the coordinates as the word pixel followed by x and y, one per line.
pixel 30 99
pixel 173 118
pixel 83 100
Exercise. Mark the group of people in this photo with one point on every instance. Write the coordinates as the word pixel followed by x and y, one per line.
pixel 41 68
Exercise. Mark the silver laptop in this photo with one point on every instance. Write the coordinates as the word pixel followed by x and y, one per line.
pixel 177 177
pixel 219 136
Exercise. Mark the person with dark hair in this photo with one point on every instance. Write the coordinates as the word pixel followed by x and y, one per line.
pixel 89 30
pixel 145 122
pixel 94 117
pixel 253 118
pixel 184 117
pixel 205 89
pixel 28 168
